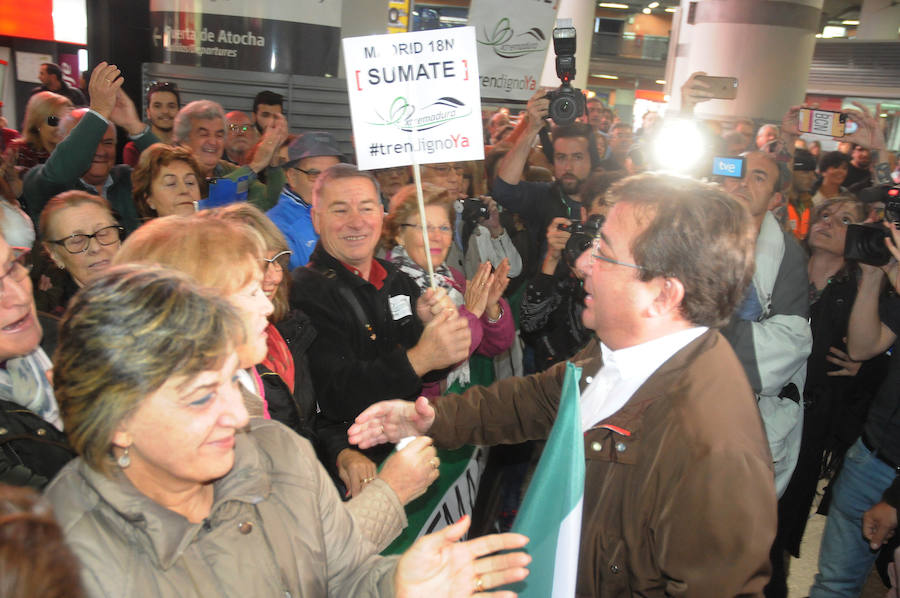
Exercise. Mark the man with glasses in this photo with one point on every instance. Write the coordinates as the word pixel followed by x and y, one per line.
pixel 308 155
pixel 240 137
pixel 163 103
pixel 33 447
pixel 671 427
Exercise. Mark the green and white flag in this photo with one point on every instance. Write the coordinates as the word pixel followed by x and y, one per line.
pixel 550 514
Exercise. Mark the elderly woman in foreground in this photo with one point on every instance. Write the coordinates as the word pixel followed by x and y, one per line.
pixel 177 492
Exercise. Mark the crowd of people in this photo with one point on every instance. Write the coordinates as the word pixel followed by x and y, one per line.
pixel 214 345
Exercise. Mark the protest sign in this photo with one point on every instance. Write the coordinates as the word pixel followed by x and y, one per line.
pixel 414 97
pixel 513 39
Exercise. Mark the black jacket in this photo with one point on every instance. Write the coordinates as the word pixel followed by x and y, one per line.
pixel 359 354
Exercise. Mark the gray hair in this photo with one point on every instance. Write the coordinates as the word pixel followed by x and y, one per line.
pixel 198 109
pixel 341 171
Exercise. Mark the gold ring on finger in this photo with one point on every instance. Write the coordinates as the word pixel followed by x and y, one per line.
pixel 479 583
pixel 434 462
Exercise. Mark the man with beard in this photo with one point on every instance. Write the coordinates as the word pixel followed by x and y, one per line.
pixel 163 103
pixel 574 156
pixel 267 105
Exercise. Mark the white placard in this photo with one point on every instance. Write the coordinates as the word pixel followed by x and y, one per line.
pixel 414 97
pixel 513 39
pixel 28 65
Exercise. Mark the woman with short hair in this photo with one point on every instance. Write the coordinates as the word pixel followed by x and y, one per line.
pixel 178 492
pixel 167 182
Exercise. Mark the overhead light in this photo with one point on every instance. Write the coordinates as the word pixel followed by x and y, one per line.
pixel 613 5
pixel 850 22
pixel 660 82
pixel 672 9
pixel 653 5
pixel 883 115
pixel 614 77
pixel 646 11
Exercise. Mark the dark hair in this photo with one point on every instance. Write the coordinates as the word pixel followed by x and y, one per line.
pixel 268 98
pixel 596 187
pixel 833 160
pixel 53 69
pixel 338 172
pixel 579 130
pixel 695 233
pixel 34 558
pixel 156 86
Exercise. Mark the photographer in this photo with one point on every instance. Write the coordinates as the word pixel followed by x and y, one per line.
pixel 574 157
pixel 551 309
pixel 862 490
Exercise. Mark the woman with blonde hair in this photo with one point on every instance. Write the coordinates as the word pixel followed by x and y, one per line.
pixel 40 129
pixel 225 254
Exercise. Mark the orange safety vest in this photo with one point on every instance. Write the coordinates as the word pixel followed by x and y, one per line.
pixel 798 223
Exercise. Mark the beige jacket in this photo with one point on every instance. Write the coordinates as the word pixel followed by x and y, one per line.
pixel 276 528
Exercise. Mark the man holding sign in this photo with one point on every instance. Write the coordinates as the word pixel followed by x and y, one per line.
pixel 377 338
pixel 679 496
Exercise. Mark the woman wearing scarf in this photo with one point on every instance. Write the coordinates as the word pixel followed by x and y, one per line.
pixel 479 301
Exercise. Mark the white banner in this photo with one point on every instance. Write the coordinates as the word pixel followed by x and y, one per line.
pixel 414 97
pixel 513 39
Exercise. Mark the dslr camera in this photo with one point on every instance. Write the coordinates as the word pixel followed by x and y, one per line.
pixel 583 233
pixel 865 242
pixel 566 103
pixel 473 210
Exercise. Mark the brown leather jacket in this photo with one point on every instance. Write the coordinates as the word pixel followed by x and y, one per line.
pixel 679 496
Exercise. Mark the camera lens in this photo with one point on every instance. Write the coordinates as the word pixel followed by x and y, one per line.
pixel 563 110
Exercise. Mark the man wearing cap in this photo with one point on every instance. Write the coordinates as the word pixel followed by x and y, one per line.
pixel 308 155
pixel 799 196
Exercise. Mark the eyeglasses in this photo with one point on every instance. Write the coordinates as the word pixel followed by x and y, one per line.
pixel 445 170
pixel 595 255
pixel 17 269
pixel 80 242
pixel 52 120
pixel 444 229
pixel 279 262
pixel 239 128
pixel 311 173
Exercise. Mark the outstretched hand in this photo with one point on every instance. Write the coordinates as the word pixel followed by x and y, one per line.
pixel 103 87
pixel 389 421
pixel 438 566
pixel 693 92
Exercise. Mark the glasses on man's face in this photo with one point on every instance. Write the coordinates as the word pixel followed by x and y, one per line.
pixel 444 170
pixel 79 243
pixel 596 255
pixel 16 269
pixel 53 120
pixel 278 262
pixel 311 173
pixel 239 128
pixel 443 229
